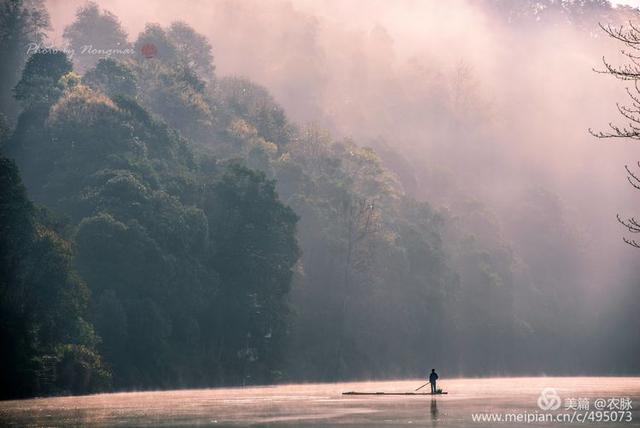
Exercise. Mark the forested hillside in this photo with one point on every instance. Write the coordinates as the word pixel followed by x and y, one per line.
pixel 187 233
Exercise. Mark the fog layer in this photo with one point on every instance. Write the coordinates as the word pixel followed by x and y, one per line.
pixel 480 108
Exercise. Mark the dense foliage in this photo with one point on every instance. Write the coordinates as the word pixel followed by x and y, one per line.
pixel 47 344
pixel 208 240
pixel 22 31
pixel 188 258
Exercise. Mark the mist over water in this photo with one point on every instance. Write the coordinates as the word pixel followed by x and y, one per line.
pixel 318 404
pixel 468 105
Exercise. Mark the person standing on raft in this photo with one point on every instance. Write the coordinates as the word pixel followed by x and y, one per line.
pixel 433 377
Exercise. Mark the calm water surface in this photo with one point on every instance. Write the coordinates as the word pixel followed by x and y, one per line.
pixel 322 405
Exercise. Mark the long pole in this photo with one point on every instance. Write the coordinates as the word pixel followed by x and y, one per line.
pixel 423 386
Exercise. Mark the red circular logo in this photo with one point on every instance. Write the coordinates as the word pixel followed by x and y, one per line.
pixel 149 50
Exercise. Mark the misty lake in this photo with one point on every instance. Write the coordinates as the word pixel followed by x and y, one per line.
pixel 317 405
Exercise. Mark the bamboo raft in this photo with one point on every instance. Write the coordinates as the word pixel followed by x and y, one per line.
pixel 393 393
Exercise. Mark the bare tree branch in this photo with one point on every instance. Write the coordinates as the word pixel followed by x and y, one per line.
pixel 630 37
pixel 631 224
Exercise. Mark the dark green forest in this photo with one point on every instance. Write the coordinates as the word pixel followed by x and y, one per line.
pixel 164 226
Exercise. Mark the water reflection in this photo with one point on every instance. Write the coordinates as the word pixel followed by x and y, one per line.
pixel 434 409
pixel 313 405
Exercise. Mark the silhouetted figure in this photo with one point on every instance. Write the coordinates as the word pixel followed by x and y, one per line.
pixel 433 377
